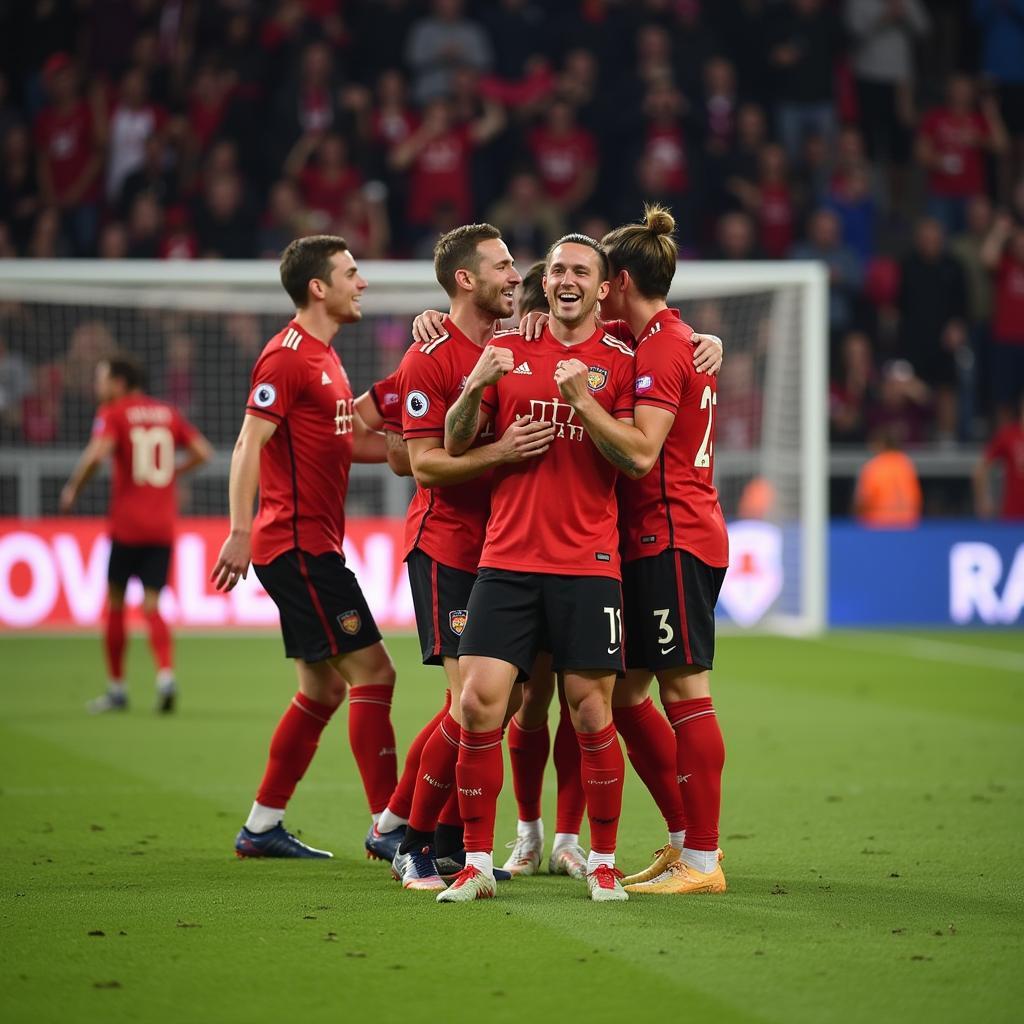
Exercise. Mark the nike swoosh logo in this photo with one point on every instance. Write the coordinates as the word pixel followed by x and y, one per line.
pixel 668 650
pixel 613 650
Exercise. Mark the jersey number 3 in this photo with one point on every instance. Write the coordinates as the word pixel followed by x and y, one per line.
pixel 152 456
pixel 708 400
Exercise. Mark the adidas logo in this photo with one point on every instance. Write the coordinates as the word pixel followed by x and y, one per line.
pixel 523 367
pixel 324 379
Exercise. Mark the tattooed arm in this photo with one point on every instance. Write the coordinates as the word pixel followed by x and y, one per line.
pixel 463 419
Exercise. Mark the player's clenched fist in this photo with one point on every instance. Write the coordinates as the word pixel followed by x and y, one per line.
pixel 493 364
pixel 526 439
pixel 571 378
pixel 233 561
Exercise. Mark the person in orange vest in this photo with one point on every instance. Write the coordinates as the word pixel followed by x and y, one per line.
pixel 888 494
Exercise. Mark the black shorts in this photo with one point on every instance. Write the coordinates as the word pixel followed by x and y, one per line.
pixel 149 562
pixel 440 596
pixel 670 610
pixel 323 611
pixel 513 614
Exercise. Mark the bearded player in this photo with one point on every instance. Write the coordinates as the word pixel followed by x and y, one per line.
pixel 298 440
pixel 141 435
pixel 550 564
pixel 675 545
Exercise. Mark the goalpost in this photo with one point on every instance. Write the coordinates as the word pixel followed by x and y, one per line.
pixel 198 327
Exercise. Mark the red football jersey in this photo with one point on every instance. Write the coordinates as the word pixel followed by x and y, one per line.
pixel 557 513
pixel 676 504
pixel 1007 447
pixel 957 140
pixel 144 498
pixel 1008 319
pixel 299 384
pixel 446 523
pixel 388 402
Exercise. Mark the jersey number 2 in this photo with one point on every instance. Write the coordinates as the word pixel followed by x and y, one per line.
pixel 152 456
pixel 708 400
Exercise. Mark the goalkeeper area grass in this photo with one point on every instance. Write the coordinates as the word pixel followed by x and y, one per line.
pixel 872 828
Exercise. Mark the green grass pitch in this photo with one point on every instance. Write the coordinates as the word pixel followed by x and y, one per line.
pixel 872 826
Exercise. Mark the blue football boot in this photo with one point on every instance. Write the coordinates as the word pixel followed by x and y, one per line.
pixel 417 870
pixel 383 845
pixel 275 843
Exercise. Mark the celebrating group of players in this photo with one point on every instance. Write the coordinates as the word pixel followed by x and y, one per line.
pixel 565 534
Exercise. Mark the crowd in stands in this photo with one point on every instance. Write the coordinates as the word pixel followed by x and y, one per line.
pixel 883 137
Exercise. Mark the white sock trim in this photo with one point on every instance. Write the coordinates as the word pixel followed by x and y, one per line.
pixel 483 862
pixel 566 839
pixel 388 821
pixel 677 839
pixel 595 860
pixel 704 861
pixel 530 829
pixel 263 819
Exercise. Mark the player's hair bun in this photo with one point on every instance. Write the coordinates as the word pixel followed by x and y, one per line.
pixel 658 220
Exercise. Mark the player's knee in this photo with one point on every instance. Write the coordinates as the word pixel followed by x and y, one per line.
pixel 593 713
pixel 479 711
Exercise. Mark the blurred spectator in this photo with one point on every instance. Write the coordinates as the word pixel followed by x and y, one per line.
pixel 113 243
pixel 736 238
pixel 46 242
pixel 224 228
pixel 884 33
pixel 1002 62
pixel 90 342
pixel 804 44
pixel 718 107
pixel 516 27
pixel 69 141
pixel 845 275
pixel 178 385
pixel 1003 254
pixel 179 241
pixel 286 219
pixel 145 227
pixel 1007 450
pixel 770 202
pixel 852 202
pixel 320 165
pixel 7 249
pixel 742 165
pixel 19 188
pixel 15 382
pixel 529 221
pixel 904 406
pixel 438 157
pixel 852 390
pixel 441 42
pixel 153 175
pixel 133 121
pixel 40 408
pixel 740 392
pixel 392 120
pixel 933 311
pixel 566 157
pixel 363 222
pixel 951 146
pixel 888 494
pixel 207 106
pixel 9 113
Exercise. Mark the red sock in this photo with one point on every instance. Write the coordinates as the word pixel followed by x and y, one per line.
pixel 480 773
pixel 528 752
pixel 571 800
pixel 603 772
pixel 400 801
pixel 292 748
pixel 372 738
pixel 436 781
pixel 450 815
pixel 700 757
pixel 159 639
pixel 114 643
pixel 651 746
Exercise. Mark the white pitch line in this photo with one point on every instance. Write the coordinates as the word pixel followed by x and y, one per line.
pixel 928 650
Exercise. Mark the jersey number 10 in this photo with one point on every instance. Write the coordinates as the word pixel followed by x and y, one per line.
pixel 152 456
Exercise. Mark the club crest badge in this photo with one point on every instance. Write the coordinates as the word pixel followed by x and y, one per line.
pixel 597 377
pixel 350 622
pixel 457 620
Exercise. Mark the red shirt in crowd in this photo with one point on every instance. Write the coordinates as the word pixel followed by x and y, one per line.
pixel 676 504
pixel 390 128
pixel 558 513
pixel 1007 447
pixel 68 143
pixel 328 195
pixel 957 142
pixel 144 499
pixel 776 220
pixel 664 156
pixel 440 175
pixel 299 384
pixel 1008 319
pixel 446 523
pixel 562 159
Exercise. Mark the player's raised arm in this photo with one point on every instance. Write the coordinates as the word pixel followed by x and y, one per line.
pixel 462 422
pixel 96 451
pixel 233 561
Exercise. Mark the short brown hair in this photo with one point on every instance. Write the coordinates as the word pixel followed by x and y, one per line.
pixel 126 369
pixel 531 294
pixel 456 250
pixel 306 259
pixel 577 238
pixel 647 251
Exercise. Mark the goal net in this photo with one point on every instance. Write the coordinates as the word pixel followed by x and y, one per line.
pixel 198 328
